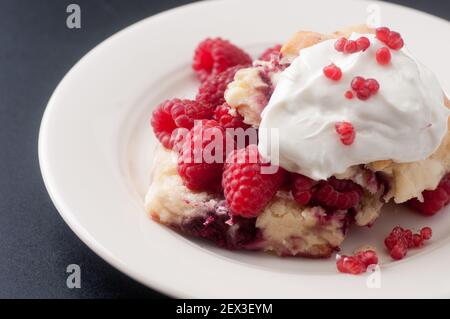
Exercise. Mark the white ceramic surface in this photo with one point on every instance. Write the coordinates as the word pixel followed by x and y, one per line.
pixel 95 151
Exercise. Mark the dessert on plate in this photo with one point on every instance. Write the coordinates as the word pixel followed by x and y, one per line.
pixel 287 152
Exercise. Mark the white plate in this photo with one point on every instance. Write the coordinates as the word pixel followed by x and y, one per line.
pixel 95 150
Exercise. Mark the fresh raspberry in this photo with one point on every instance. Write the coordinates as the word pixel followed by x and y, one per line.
pixel 246 189
pixel 350 265
pixel 395 41
pixel 351 47
pixel 382 34
pixel 407 238
pixel 270 53
pixel 339 45
pixel 434 200
pixel 213 56
pixel 338 194
pixel 225 119
pixel 346 132
pixel 199 166
pixel 358 83
pixel 391 38
pixel 363 43
pixel 417 240
pixel 176 113
pixel 400 240
pixel 364 88
pixel 367 257
pixel 399 250
pixel 372 85
pixel 332 72
pixel 392 239
pixel 383 56
pixel 349 95
pixel 302 188
pixel 212 91
pixel 426 233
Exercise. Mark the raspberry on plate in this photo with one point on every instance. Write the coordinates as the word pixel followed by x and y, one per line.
pixel 212 91
pixel 177 113
pixel 434 200
pixel 213 56
pixel 350 265
pixel 201 157
pixel 246 188
pixel 400 240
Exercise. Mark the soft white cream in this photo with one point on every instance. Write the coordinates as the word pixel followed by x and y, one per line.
pixel 405 121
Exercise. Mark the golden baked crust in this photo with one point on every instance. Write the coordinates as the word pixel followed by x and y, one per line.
pixel 305 39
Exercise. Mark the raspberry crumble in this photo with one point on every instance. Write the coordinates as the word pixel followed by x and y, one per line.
pixel 216 178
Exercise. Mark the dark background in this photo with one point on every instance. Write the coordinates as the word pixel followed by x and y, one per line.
pixel 36 50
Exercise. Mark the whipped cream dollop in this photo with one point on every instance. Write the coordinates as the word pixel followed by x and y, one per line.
pixel 404 122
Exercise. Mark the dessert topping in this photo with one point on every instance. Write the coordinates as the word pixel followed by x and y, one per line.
pixel 332 72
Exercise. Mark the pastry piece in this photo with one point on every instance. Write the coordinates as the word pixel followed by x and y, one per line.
pixel 284 227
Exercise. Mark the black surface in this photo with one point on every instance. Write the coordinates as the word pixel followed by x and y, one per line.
pixel 36 50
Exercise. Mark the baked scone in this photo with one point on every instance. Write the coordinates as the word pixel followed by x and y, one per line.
pixel 308 204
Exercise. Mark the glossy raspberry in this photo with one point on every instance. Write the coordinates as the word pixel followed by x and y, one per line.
pixel 176 113
pixel 226 120
pixel 199 166
pixel 338 194
pixel 346 132
pixel 433 201
pixel 351 47
pixel 246 189
pixel 339 45
pixel 363 43
pixel 391 38
pixel 270 53
pixel 383 56
pixel 382 34
pixel 350 265
pixel 372 85
pixel 417 240
pixel 213 56
pixel 212 91
pixel 302 188
pixel 332 72
pixel 395 41
pixel 407 238
pixel 349 95
pixel 367 257
pixel 400 240
pixel 399 250
pixel 426 233
pixel 364 88
pixel 363 94
pixel 358 83
pixel 392 239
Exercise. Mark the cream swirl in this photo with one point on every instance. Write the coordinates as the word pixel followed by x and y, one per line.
pixel 404 122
